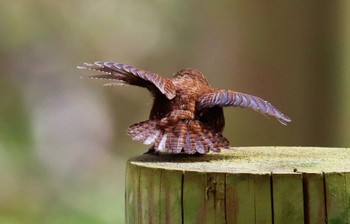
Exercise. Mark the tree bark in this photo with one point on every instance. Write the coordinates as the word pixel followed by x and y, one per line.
pixel 241 185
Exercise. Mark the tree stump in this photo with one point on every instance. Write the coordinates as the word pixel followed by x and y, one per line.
pixel 241 185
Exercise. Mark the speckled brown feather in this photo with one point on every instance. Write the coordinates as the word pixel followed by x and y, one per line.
pixel 187 114
pixel 132 76
pixel 224 98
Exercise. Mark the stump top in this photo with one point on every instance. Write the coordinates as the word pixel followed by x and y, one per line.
pixel 255 160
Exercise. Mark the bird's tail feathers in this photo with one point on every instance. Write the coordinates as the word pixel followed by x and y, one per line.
pixel 145 132
pixel 189 136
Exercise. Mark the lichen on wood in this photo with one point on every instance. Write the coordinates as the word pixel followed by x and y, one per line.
pixel 241 185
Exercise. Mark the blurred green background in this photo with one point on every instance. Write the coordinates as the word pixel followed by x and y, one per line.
pixel 63 142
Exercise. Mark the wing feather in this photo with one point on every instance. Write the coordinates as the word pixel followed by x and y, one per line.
pixel 224 98
pixel 130 75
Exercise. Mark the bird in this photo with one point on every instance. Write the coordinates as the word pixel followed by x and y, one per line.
pixel 187 113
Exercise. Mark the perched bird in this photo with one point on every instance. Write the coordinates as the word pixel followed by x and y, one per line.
pixel 187 113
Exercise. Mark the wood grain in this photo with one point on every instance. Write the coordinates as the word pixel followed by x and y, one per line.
pixel 242 185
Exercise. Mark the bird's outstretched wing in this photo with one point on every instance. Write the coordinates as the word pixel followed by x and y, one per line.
pixel 223 98
pixel 128 75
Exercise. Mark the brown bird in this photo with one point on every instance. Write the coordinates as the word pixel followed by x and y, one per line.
pixel 187 113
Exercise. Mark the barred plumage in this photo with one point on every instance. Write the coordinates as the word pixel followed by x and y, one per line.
pixel 225 98
pixel 132 76
pixel 187 114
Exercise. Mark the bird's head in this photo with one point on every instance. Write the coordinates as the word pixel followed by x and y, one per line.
pixel 193 74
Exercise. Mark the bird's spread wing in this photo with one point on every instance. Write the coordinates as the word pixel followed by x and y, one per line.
pixel 127 75
pixel 225 98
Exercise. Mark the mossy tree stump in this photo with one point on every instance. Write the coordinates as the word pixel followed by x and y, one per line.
pixel 242 185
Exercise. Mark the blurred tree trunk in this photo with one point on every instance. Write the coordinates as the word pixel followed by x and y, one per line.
pixel 344 80
pixel 296 45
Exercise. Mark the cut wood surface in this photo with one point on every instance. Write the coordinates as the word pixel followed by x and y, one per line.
pixel 241 185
